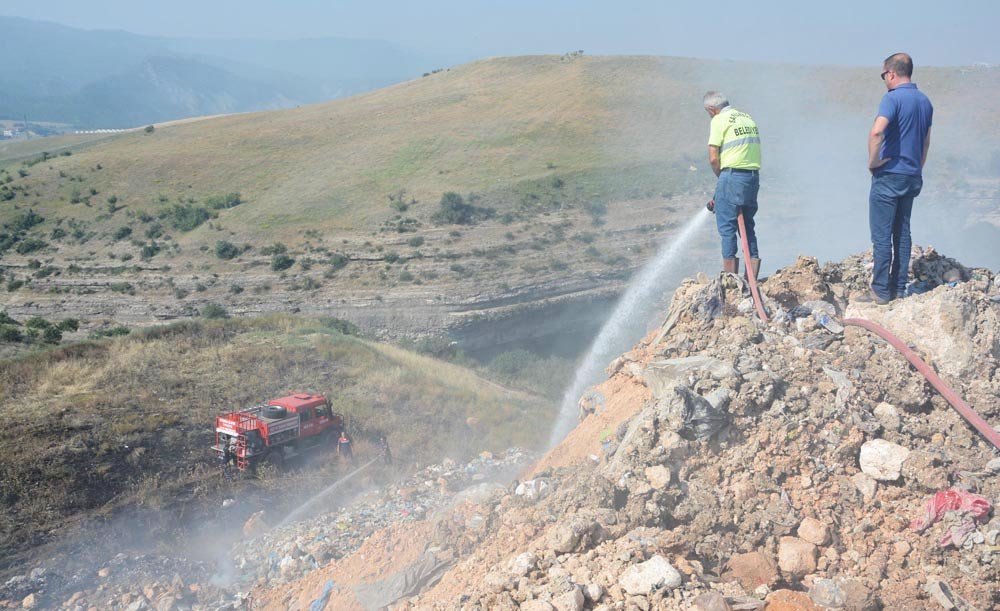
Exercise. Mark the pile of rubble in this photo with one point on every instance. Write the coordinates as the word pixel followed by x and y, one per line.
pixel 287 553
pixel 128 582
pixel 265 557
pixel 793 465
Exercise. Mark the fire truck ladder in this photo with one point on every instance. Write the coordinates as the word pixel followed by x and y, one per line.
pixel 245 423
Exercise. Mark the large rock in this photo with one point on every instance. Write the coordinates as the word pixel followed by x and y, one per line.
pixel 658 476
pixel 790 600
pixel 752 570
pixel 796 556
pixel 814 531
pixel 653 574
pixel 887 415
pixel 576 535
pixel 710 601
pixel 569 601
pixel 865 484
pixel 882 460
pixel 522 564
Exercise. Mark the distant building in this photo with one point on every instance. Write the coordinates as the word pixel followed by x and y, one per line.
pixel 8 133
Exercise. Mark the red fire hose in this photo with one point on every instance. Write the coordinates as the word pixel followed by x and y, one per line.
pixel 950 395
pixel 751 277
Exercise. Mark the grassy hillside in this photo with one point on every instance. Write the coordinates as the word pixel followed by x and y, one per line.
pixel 579 166
pixel 98 426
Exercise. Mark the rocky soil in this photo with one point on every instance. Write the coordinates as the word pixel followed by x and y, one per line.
pixel 766 466
pixel 730 465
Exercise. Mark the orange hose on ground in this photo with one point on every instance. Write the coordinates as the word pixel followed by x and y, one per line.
pixel 950 395
pixel 750 277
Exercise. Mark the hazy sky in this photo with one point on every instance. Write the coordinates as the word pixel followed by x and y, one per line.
pixel 834 32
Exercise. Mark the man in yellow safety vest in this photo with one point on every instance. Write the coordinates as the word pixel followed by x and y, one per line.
pixel 734 154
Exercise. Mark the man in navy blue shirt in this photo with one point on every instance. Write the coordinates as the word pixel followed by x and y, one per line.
pixel 897 151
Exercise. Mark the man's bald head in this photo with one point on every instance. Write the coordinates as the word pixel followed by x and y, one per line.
pixel 899 63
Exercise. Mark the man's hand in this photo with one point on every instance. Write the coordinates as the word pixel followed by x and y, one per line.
pixel 711 206
pixel 878 164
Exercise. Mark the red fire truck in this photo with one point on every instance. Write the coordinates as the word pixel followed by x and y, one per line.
pixel 280 429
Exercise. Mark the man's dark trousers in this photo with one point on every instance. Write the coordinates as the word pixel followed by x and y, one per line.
pixel 890 203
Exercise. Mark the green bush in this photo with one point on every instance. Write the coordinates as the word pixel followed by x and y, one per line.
pixel 274 249
pixel 30 245
pixel 416 241
pixel 185 217
pixel 405 276
pixel 338 260
pixel 10 333
pixel 148 251
pixel 13 285
pixel 214 311
pixel 122 232
pixel 222 202
pixel 52 335
pixel 122 287
pixel 281 262
pixel 69 324
pixel 226 250
pixel 5 319
pixel 25 221
pixel 455 211
pixel 345 327
pixel 112 332
pixel 58 233
pixel 596 209
pixel 37 322
pixel 391 257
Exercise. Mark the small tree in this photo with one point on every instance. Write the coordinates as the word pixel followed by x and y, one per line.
pixel 214 311
pixel 281 262
pixel 149 129
pixel 52 335
pixel 226 250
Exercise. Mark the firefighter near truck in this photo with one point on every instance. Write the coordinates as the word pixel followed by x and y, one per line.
pixel 279 430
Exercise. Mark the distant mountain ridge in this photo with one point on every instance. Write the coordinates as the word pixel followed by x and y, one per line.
pixel 112 78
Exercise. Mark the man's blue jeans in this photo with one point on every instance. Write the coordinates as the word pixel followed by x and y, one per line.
pixel 735 190
pixel 889 206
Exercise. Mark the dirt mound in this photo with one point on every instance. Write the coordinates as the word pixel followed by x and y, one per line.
pixel 736 465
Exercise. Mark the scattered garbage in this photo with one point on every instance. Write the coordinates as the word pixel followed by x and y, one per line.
pixel 702 420
pixel 972 509
pixel 320 603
